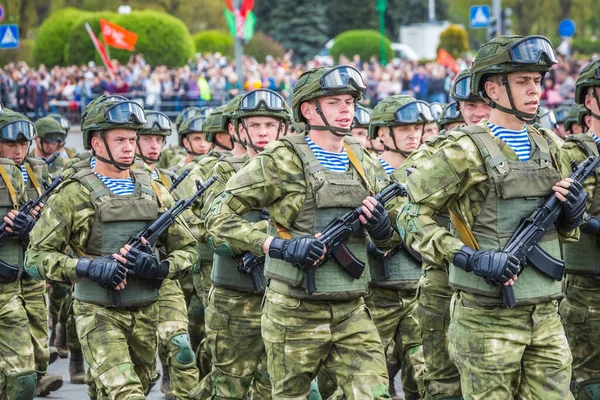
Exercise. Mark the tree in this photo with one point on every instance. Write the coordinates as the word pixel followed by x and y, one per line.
pixel 454 40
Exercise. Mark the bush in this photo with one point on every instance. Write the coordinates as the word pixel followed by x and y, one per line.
pixel 213 41
pixel 261 46
pixel 53 35
pixel 586 46
pixel 163 39
pixel 23 53
pixel 454 40
pixel 364 42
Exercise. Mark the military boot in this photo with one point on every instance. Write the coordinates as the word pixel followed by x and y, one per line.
pixel 53 354
pixel 60 342
pixel 47 384
pixel 393 369
pixel 165 384
pixel 76 369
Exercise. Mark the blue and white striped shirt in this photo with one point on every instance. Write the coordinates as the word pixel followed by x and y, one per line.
pixel 154 175
pixel 596 138
pixel 25 174
pixel 92 162
pixel 517 140
pixel 336 162
pixel 387 167
pixel 120 187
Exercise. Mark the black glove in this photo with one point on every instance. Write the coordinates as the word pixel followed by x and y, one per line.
pixel 9 273
pixel 574 208
pixel 379 225
pixel 302 252
pixel 592 227
pixel 105 271
pixel 144 263
pixel 23 224
pixel 495 266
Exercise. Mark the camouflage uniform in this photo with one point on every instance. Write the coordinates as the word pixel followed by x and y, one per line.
pixel 493 347
pixel 302 332
pixel 17 364
pixel 582 298
pixel 119 342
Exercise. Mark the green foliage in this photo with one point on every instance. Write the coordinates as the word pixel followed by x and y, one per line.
pixel 163 39
pixel 364 42
pixel 586 46
pixel 23 53
pixel 49 47
pixel 454 40
pixel 213 41
pixel 261 46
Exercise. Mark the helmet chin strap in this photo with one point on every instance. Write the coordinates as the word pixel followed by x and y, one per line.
pixel 249 142
pixel 217 144
pixel 337 131
pixel 118 165
pixel 191 150
pixel 522 116
pixel 397 150
pixel 593 114
pixel 146 159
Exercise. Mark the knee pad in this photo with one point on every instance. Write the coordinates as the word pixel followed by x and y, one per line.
pixel 586 390
pixel 21 386
pixel 182 355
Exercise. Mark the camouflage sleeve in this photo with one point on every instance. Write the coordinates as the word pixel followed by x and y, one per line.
pixel 442 180
pixel 273 175
pixel 179 242
pixel 64 223
pixel 194 215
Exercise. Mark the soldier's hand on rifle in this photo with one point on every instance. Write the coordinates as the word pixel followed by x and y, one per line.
pixel 105 271
pixel 574 197
pixel 19 224
pixel 376 220
pixel 304 252
pixel 143 262
pixel 495 266
pixel 37 210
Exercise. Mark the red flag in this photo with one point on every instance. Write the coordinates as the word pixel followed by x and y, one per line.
pixel 247 6
pixel 444 58
pixel 101 51
pixel 229 5
pixel 117 36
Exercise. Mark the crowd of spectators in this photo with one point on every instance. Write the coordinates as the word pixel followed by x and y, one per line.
pixel 210 79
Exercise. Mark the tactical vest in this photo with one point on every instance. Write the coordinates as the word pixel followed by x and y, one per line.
pixel 12 251
pixel 582 256
pixel 224 272
pixel 515 190
pixel 38 175
pixel 329 195
pixel 116 220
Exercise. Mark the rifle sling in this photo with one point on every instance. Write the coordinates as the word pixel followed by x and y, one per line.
pixel 33 179
pixel 464 232
pixel 9 186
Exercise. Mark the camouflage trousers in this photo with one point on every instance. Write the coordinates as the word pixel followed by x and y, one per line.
pixel 195 310
pixel 393 315
pixel 580 311
pixel 301 336
pixel 34 294
pixel 120 347
pixel 441 378
pixel 495 348
pixel 202 285
pixel 173 325
pixel 16 348
pixel 60 307
pixel 233 334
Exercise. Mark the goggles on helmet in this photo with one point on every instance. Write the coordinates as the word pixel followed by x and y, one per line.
pixel 414 112
pixel 157 119
pixel 18 130
pixel 125 112
pixel 340 77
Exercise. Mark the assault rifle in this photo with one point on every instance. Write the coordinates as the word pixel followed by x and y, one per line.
pixel 252 265
pixel 52 158
pixel 524 242
pixel 179 179
pixel 158 227
pixel 30 205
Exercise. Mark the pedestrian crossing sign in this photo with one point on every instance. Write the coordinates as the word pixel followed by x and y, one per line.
pixel 9 36
pixel 480 16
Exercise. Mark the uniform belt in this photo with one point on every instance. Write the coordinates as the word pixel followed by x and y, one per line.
pixel 437 276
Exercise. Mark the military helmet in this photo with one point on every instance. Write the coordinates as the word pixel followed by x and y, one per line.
pixel 63 121
pixel 187 113
pixel 230 109
pixel 15 127
pixel 546 118
pixel 561 114
pixel 213 123
pixel 583 112
pixel 107 115
pixel 573 116
pixel 157 123
pixel 362 116
pixel 191 125
pixel 100 99
pixel 399 110
pixel 326 81
pixel 589 77
pixel 461 88
pixel 50 129
pixel 506 54
pixel 263 103
pixel 450 115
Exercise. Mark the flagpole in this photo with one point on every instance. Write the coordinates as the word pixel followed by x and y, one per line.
pixel 238 49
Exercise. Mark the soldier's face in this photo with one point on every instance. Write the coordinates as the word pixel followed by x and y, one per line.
pixel 337 109
pixel 590 102
pixel 375 145
pixel 260 131
pixel 525 88
pixel 16 151
pixel 121 144
pixel 406 137
pixel 360 134
pixel 560 131
pixel 196 143
pixel 474 111
pixel 431 129
pixel 150 146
